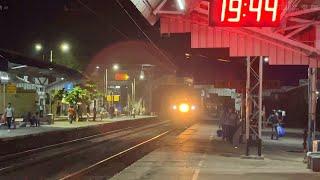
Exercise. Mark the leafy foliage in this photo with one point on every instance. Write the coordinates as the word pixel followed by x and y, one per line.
pixel 77 95
pixel 58 95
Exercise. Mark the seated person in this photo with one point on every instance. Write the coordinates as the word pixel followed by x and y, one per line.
pixel 26 119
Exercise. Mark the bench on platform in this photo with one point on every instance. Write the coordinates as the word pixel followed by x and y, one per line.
pixel 313 161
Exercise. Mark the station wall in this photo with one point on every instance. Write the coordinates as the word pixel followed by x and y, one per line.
pixel 22 102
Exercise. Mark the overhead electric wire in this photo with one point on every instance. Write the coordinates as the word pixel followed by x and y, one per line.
pixel 93 12
pixel 149 39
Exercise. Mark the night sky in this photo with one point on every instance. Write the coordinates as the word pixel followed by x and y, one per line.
pixel 50 22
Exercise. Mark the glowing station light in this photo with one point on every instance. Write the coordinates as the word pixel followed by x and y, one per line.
pixel 38 47
pixel 65 47
pixel 247 13
pixel 181 4
pixel 115 67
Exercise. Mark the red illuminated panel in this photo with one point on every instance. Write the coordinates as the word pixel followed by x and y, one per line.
pixel 246 13
pixel 121 76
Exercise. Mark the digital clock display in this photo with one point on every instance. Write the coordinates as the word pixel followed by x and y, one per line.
pixel 246 13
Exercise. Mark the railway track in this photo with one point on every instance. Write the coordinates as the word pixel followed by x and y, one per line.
pixel 85 171
pixel 45 162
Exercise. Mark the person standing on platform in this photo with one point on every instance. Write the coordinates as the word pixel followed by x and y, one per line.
pixel 58 109
pixel 41 109
pixel 88 112
pixel 223 119
pixel 9 114
pixel 71 114
pixel 274 121
pixel 231 120
pixel 133 113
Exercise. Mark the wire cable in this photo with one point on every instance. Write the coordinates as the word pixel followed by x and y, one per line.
pixel 148 38
pixel 94 13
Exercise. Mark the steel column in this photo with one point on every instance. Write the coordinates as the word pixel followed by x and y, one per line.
pixel 254 104
pixel 248 105
pixel 260 106
pixel 314 101
pixel 260 94
pixel 312 104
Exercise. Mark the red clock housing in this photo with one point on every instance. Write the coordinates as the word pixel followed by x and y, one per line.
pixel 246 13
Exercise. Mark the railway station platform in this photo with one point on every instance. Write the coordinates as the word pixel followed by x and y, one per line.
pixel 198 153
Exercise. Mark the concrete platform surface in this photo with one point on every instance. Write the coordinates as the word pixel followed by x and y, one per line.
pixel 58 125
pixel 198 154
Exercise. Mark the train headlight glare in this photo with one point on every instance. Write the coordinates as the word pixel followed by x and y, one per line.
pixel 193 107
pixel 184 107
pixel 174 107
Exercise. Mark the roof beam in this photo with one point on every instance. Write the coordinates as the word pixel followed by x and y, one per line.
pixel 303 12
pixel 276 37
pixel 299 20
pixel 290 27
pixel 298 30
pixel 158 8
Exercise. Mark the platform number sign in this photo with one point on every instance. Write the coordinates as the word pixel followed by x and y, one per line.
pixel 246 13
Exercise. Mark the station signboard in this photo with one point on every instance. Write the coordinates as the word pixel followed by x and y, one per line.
pixel 68 86
pixel 113 98
pixel 11 88
pixel 120 76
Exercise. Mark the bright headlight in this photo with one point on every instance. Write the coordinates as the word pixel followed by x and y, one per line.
pixel 184 107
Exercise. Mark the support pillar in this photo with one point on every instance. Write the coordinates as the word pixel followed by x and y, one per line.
pixel 254 105
pixel 260 106
pixel 248 63
pixel 312 105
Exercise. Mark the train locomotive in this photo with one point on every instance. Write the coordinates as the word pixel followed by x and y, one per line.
pixel 177 103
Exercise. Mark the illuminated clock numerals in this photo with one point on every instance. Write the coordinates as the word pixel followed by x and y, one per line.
pixel 236 10
pixel 272 9
pixel 258 9
pixel 223 12
pixel 234 7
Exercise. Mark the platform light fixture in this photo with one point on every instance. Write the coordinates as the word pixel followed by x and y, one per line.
pixel 115 67
pixel 18 67
pixel 38 47
pixel 266 59
pixel 4 78
pixel 181 4
pixel 141 77
pixel 65 47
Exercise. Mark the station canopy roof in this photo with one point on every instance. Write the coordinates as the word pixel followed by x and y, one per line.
pixel 26 69
pixel 283 48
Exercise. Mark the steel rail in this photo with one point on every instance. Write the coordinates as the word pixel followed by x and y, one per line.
pixel 98 164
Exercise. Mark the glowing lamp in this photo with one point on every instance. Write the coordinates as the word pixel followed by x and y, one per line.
pixel 184 108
